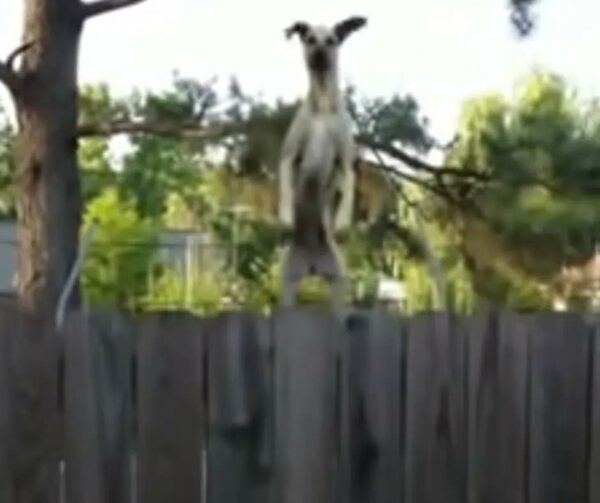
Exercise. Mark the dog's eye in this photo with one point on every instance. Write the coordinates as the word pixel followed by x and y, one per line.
pixel 330 41
pixel 311 40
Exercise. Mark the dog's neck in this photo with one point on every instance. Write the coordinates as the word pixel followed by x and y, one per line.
pixel 323 93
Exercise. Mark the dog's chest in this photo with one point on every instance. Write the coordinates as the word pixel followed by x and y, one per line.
pixel 316 172
pixel 320 145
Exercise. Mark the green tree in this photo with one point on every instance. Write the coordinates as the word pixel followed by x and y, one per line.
pixel 164 135
pixel 202 293
pixel 522 16
pixel 118 265
pixel 167 175
pixel 98 169
pixel 157 167
pixel 540 207
pixel 44 91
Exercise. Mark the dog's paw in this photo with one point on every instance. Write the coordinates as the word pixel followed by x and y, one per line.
pixel 342 233
pixel 286 227
pixel 342 226
pixel 286 220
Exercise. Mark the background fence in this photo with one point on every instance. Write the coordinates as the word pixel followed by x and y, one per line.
pixel 297 407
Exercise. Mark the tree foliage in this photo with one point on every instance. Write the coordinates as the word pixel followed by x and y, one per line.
pixel 117 268
pixel 541 152
pixel 515 199
pixel 522 16
pixel 7 168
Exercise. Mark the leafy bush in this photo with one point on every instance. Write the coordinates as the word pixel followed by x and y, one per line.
pixel 118 263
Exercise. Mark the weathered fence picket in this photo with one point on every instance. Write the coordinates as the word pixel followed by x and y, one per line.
pixel 497 397
pixel 238 384
pixel 299 407
pixel 558 414
pixel 307 347
pixel 6 411
pixel 33 363
pixel 436 411
pixel 594 407
pixel 97 408
pixel 171 412
pixel 372 411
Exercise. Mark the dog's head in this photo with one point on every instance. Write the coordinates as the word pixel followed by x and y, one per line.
pixel 321 42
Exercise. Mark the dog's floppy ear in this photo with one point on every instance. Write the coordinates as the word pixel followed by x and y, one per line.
pixel 298 28
pixel 348 26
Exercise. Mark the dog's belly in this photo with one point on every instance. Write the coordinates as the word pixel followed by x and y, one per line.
pixel 309 229
pixel 309 226
pixel 316 168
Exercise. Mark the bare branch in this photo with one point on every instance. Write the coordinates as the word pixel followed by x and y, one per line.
pixel 435 186
pixel 445 147
pixel 179 130
pixel 419 165
pixel 434 183
pixel 105 6
pixel 397 174
pixel 8 75
pixel 12 57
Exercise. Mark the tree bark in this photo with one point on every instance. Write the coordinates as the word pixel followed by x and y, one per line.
pixel 49 205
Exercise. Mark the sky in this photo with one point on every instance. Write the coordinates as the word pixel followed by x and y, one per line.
pixel 440 51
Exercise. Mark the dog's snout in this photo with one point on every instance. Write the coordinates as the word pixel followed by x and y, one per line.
pixel 319 61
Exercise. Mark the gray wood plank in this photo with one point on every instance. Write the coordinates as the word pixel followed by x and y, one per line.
pixel 34 362
pixel 594 470
pixel 560 345
pixel 97 408
pixel 373 407
pixel 238 383
pixel 498 356
pixel 7 433
pixel 306 346
pixel 170 408
pixel 436 411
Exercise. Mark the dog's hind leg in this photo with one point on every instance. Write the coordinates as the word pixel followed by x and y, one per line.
pixel 329 267
pixel 293 269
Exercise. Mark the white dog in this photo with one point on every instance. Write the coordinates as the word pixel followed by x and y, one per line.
pixel 316 170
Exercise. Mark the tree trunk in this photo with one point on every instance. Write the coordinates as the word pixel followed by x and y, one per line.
pixel 48 180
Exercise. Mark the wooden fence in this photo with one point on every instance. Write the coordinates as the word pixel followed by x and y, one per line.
pixel 299 408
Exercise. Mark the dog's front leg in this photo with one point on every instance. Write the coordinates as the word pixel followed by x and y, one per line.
pixel 286 194
pixel 291 148
pixel 343 217
pixel 346 179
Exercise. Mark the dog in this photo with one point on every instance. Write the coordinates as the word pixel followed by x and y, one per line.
pixel 316 167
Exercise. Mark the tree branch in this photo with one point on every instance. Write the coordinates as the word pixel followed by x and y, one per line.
pixel 8 74
pixel 418 164
pixel 12 57
pixel 390 170
pixel 105 6
pixel 438 188
pixel 194 131
pixel 8 77
pixel 179 130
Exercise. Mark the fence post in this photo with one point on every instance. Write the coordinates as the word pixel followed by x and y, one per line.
pixel 306 405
